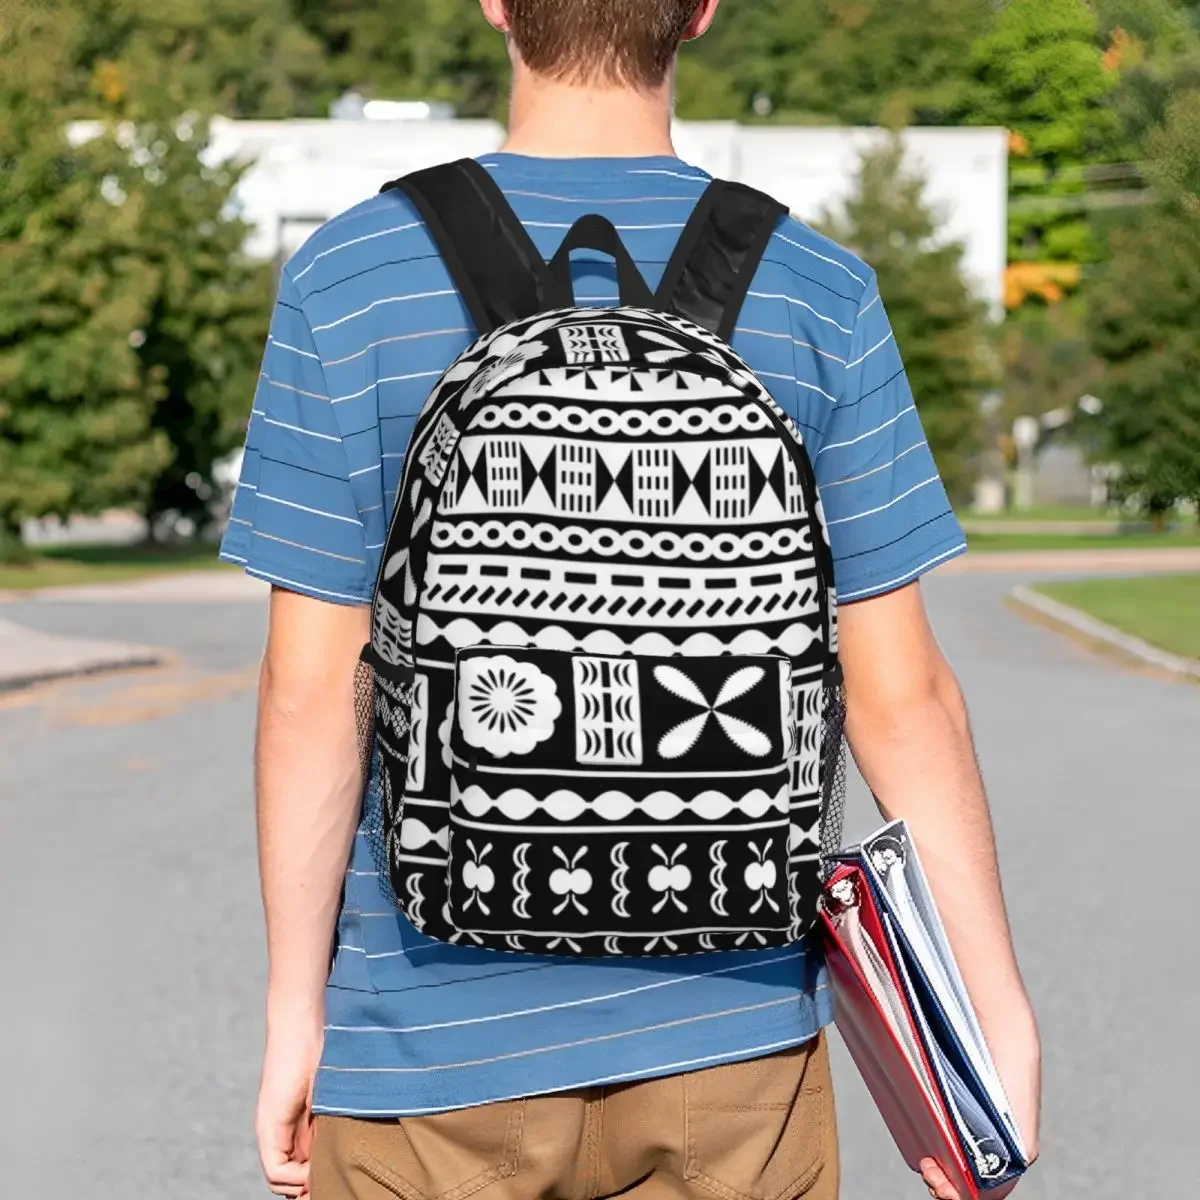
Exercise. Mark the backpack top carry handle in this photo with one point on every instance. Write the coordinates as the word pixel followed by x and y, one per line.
pixel 597 233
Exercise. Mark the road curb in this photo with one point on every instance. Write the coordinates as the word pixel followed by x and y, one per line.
pixel 29 657
pixel 1081 622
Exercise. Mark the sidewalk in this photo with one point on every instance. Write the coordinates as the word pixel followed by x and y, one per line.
pixel 176 587
pixel 1085 562
pixel 28 656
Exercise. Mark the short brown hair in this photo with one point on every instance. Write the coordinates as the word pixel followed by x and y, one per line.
pixel 630 42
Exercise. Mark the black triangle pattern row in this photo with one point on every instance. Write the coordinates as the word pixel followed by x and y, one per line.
pixel 623 479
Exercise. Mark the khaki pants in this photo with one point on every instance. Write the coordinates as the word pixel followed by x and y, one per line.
pixel 760 1130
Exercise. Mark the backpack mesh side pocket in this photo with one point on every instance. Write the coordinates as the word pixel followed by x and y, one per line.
pixel 364 715
pixel 833 765
pixel 383 706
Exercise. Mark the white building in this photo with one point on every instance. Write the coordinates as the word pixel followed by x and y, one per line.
pixel 305 172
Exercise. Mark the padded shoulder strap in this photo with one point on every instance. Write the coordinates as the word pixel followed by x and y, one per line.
pixel 492 260
pixel 710 272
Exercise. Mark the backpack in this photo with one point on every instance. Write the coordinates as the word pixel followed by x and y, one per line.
pixel 602 682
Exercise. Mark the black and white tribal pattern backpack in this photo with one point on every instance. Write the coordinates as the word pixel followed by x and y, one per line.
pixel 603 676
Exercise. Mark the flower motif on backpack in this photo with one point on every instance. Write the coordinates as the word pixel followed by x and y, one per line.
pixel 506 707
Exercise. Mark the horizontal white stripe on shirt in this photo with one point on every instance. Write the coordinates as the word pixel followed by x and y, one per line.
pixel 400 337
pixel 362 312
pixel 366 237
pixel 385 379
pixel 832 483
pixel 888 585
pixel 833 262
pixel 801 304
pixel 324 437
pixel 555 1048
pixel 316 512
pixel 870 512
pixel 579 1003
pixel 293 349
pixel 288 387
pixel 309 549
pixel 859 361
pixel 870 432
pixel 668 1068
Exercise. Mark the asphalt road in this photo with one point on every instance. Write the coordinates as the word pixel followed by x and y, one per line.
pixel 132 949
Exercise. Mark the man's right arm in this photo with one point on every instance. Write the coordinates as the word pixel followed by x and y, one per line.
pixel 908 729
pixel 889 522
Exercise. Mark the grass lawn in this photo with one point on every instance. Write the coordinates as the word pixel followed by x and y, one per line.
pixel 1046 512
pixel 1161 609
pixel 63 566
pixel 1082 541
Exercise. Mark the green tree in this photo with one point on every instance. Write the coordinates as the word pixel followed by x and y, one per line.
pixel 1040 72
pixel 1155 48
pixel 424 49
pixel 1047 358
pixel 202 338
pixel 855 62
pixel 1144 306
pixel 367 44
pixel 460 57
pixel 941 328
pixel 242 58
pixel 130 324
pixel 75 399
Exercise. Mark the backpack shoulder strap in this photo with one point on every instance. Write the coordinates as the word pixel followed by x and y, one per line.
pixel 713 265
pixel 491 258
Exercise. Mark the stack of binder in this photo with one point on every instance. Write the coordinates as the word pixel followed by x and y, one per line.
pixel 905 1015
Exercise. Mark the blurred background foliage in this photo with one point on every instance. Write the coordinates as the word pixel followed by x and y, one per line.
pixel 940 325
pixel 131 323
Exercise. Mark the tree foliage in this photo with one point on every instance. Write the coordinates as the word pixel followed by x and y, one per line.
pixel 130 324
pixel 940 326
pixel 243 58
pixel 75 399
pixel 851 61
pixel 202 338
pixel 1156 50
pixel 854 62
pixel 1040 72
pixel 426 49
pixel 1144 304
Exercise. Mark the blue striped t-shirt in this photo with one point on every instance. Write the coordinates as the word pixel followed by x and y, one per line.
pixel 366 321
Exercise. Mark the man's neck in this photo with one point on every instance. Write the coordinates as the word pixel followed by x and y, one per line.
pixel 552 119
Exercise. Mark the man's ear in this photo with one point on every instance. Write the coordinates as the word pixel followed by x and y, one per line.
pixel 698 26
pixel 496 12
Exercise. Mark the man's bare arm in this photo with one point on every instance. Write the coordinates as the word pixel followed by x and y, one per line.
pixel 908 729
pixel 309 786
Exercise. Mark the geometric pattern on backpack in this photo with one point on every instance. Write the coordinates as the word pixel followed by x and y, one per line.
pixel 604 640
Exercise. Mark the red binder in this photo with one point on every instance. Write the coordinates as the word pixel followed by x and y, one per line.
pixel 914 1112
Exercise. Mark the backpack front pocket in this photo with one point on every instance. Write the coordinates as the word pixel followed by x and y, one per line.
pixel 630 805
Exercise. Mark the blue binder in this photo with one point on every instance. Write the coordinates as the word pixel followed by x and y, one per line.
pixel 937 999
